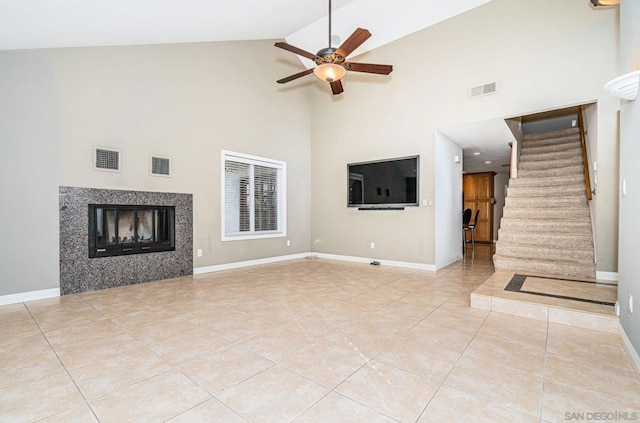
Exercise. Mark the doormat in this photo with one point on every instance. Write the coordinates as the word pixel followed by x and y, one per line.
pixel 567 289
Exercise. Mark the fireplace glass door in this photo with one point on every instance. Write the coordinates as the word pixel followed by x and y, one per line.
pixel 117 230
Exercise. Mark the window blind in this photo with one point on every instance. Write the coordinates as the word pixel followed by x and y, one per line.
pixel 254 197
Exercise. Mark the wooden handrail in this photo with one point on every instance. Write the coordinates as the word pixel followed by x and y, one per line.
pixel 585 160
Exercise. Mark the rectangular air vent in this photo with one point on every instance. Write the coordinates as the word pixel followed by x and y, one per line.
pixel 106 159
pixel 481 90
pixel 160 166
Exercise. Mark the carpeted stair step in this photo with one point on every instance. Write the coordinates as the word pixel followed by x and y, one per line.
pixel 554 191
pixel 553 267
pixel 546 225
pixel 548 181
pixel 546 203
pixel 576 241
pixel 544 253
pixel 553 135
pixel 567 153
pixel 558 163
pixel 548 142
pixel 574 170
pixel 549 214
pixel 533 149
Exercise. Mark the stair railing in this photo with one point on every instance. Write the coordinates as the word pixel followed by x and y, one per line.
pixel 585 159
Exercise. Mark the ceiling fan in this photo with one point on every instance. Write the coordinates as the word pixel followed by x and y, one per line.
pixel 331 64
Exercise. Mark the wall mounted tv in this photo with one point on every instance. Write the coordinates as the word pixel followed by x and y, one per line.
pixel 384 184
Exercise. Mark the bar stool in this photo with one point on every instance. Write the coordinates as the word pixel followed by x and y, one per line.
pixel 472 229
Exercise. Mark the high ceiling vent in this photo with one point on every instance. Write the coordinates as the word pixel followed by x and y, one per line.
pixel 160 166
pixel 106 159
pixel 481 90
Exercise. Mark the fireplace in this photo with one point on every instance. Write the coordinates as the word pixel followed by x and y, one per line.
pixel 151 222
pixel 116 230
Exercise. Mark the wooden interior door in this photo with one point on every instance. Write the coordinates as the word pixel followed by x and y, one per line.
pixel 478 195
pixel 469 191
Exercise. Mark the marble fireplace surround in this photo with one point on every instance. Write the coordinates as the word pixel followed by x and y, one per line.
pixel 79 273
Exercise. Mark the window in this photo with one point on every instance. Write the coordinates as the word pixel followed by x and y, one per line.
pixel 253 197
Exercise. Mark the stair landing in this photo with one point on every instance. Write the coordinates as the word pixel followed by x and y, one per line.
pixel 585 303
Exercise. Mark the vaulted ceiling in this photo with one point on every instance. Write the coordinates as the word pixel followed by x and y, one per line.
pixel 32 24
pixel 27 24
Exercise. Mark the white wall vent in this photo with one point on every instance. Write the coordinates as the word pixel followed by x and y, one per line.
pixel 106 159
pixel 160 166
pixel 481 90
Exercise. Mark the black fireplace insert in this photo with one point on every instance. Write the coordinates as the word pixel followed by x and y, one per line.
pixel 118 229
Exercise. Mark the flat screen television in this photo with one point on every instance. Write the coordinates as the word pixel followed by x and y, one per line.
pixel 383 184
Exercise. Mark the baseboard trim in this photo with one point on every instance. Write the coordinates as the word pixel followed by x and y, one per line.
pixel 248 263
pixel 631 352
pixel 268 260
pixel 23 297
pixel 607 276
pixel 393 263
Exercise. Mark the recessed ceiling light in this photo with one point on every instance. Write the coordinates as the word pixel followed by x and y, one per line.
pixel 487 162
pixel 477 153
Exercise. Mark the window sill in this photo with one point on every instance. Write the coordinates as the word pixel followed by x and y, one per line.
pixel 253 236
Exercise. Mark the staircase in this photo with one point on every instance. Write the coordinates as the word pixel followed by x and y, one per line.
pixel 546 223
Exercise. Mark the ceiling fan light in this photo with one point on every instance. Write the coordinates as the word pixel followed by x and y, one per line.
pixel 329 72
pixel 605 2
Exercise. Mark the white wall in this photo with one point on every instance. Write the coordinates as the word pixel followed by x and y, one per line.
pixel 448 200
pixel 629 266
pixel 537 52
pixel 606 199
pixel 29 165
pixel 185 101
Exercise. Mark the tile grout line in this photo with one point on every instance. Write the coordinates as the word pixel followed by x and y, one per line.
pixel 64 367
pixel 544 368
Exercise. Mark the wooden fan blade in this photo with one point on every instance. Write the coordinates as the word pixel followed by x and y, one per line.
pixel 295 50
pixel 336 87
pixel 369 68
pixel 354 41
pixel 295 76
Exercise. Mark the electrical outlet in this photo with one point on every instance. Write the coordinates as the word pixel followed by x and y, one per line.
pixel 199 252
pixel 372 245
pixel 630 303
pixel 288 243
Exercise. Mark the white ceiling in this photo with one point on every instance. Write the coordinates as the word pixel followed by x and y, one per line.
pixel 26 24
pixel 387 21
pixel 490 138
pixel 30 24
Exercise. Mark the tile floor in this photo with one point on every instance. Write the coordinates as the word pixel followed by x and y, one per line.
pixel 310 340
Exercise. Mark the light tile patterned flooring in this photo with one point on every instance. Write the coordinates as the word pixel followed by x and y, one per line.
pixel 310 340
